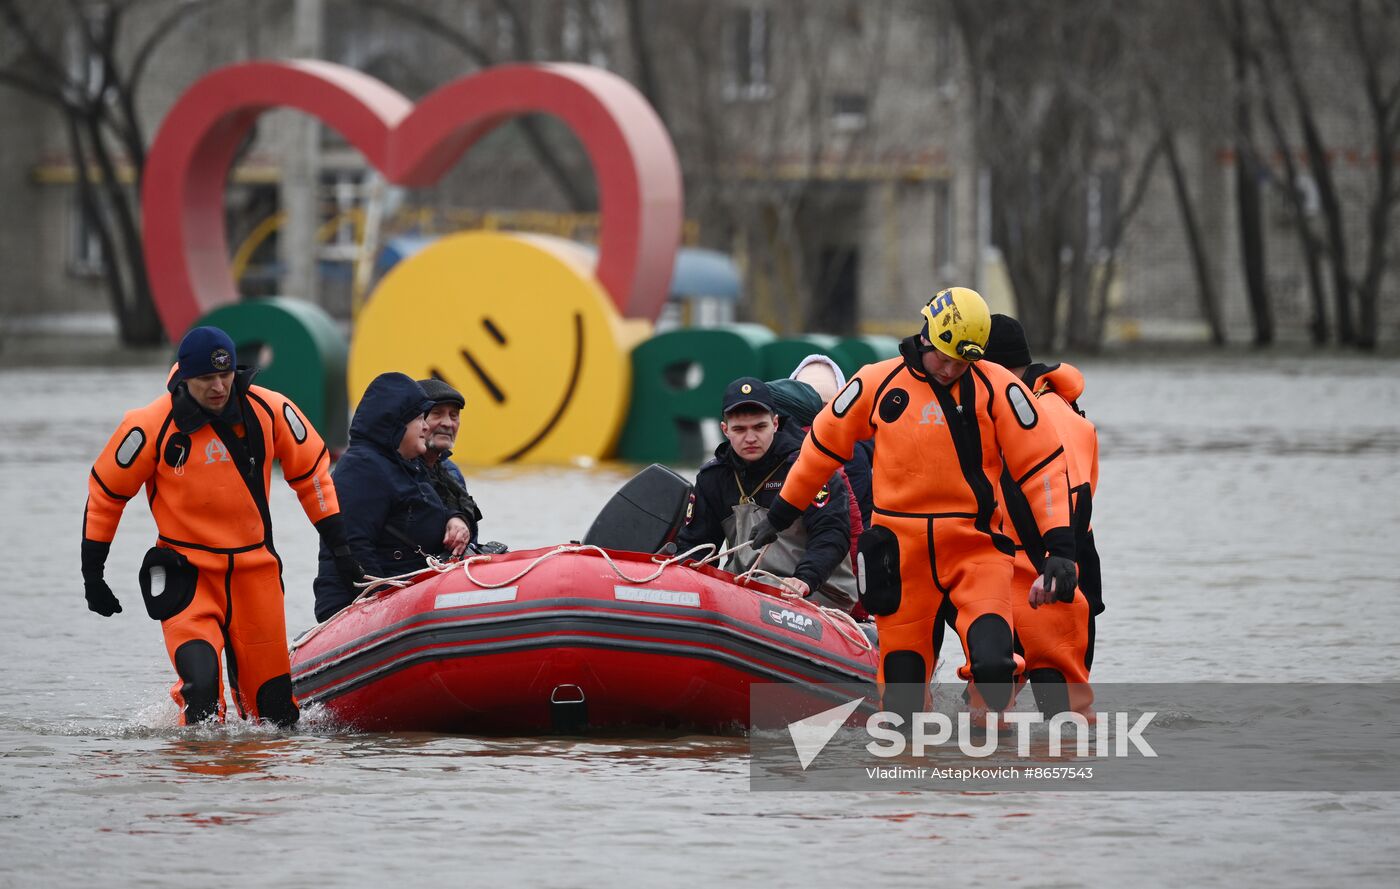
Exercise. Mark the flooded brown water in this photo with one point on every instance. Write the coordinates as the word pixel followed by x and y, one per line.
pixel 1248 518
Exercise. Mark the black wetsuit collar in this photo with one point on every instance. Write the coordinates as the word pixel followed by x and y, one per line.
pixel 190 417
pixel 1034 372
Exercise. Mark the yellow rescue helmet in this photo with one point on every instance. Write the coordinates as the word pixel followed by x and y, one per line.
pixel 957 323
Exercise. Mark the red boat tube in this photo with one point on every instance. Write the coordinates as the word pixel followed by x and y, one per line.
pixel 566 639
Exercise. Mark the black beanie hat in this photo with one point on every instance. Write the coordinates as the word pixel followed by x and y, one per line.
pixel 1006 343
pixel 206 350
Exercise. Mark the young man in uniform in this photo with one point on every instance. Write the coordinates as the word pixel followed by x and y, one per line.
pixel 944 427
pixel 1056 638
pixel 204 453
pixel 733 492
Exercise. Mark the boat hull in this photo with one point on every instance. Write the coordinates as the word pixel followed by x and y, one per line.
pixel 574 645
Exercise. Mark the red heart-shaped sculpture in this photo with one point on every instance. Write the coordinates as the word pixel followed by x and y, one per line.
pixel 634 163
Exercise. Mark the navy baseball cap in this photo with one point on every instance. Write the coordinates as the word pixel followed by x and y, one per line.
pixel 749 391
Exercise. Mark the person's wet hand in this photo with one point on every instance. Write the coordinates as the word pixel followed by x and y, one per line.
pixel 1039 595
pixel 457 536
pixel 797 586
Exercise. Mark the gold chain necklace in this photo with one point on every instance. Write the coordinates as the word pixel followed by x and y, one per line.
pixel 748 497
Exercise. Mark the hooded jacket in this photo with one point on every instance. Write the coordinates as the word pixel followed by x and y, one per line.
pixel 393 517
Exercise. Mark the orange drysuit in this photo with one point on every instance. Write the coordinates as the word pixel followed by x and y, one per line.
pixel 207 482
pixel 935 531
pixel 1057 640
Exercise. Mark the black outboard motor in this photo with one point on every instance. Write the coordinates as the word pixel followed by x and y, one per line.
pixel 644 514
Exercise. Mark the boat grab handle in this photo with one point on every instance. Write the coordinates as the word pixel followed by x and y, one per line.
pixel 576 698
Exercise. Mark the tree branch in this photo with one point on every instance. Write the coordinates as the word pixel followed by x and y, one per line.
pixel 162 30
pixel 437 26
pixel 32 44
pixel 34 88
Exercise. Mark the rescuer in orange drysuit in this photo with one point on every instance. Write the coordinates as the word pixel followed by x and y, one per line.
pixel 944 428
pixel 204 453
pixel 1056 640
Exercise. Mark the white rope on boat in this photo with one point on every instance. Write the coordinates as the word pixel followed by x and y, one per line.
pixel 847 626
pixel 840 620
pixel 661 564
pixel 770 584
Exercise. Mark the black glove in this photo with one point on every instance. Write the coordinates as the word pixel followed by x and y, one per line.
pixel 100 598
pixel 1061 572
pixel 332 531
pixel 781 515
pixel 99 595
pixel 763 534
pixel 346 567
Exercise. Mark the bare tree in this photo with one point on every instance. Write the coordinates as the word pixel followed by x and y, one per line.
pixel 1375 30
pixel 1056 119
pixel 1320 167
pixel 1249 171
pixel 516 44
pixel 1293 192
pixel 1361 39
pixel 749 94
pixel 1164 46
pixel 68 56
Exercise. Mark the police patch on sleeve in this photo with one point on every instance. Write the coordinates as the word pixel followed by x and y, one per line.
pixel 848 397
pixel 690 508
pixel 1021 404
pixel 130 447
pixel 294 423
pixel 822 497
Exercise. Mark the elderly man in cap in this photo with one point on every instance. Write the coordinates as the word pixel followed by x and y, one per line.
pixel 444 419
pixel 204 450
pixel 734 490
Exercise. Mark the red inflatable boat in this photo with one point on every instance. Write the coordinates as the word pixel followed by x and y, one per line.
pixel 572 638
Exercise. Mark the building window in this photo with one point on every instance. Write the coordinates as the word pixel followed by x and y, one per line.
pixel 943 55
pixel 85 247
pixel 943 233
pixel 849 111
pixel 750 45
pixel 505 35
pixel 342 196
pixel 1102 210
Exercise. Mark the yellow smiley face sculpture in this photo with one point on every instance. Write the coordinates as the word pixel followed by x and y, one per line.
pixel 519 325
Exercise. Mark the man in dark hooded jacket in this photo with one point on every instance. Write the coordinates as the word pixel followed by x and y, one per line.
pixel 733 491
pixel 393 517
